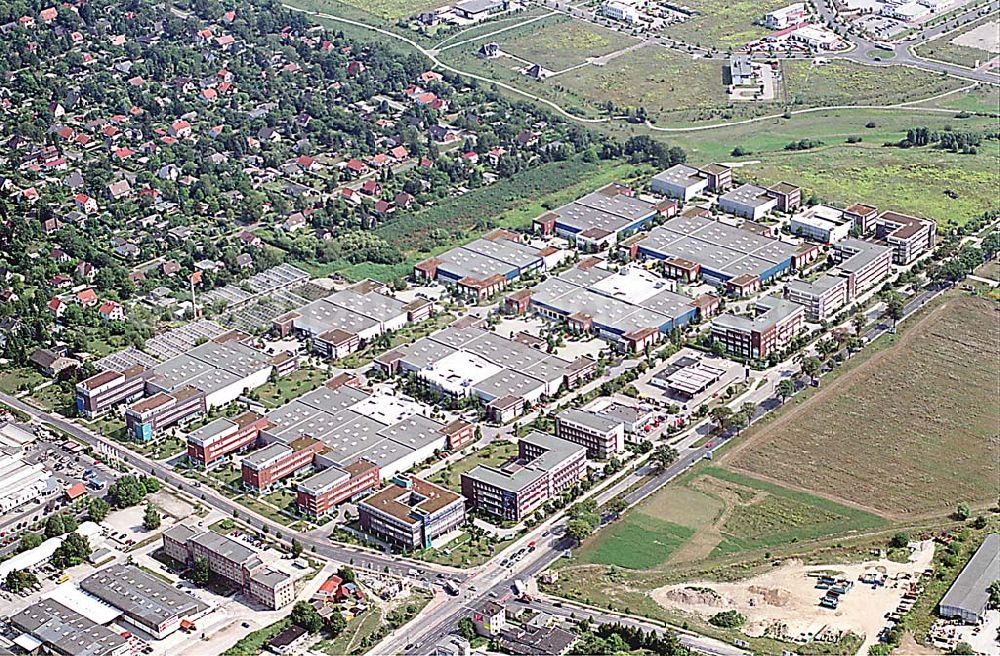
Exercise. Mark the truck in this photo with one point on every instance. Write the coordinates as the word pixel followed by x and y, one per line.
pixel 520 588
pixel 451 587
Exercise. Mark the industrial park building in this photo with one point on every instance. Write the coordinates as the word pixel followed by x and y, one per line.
pixel 908 236
pixel 102 391
pixel 344 321
pixel 472 361
pixel 411 513
pixel 721 254
pixel 822 223
pixel 601 435
pixel 483 267
pixel 233 561
pixel 684 181
pixel 52 626
pixel 545 466
pixel 601 218
pixel 774 325
pixel 631 308
pixel 144 600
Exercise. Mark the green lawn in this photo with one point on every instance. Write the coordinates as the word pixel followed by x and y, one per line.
pixel 494 454
pixel 295 384
pixel 14 380
pixel 357 629
pixel 637 541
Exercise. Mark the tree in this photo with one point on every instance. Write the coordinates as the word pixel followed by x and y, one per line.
pixel 346 574
pixel 30 541
pixel 664 456
pixel 980 523
pixel 296 548
pixel 963 648
pixel 785 389
pixel 994 602
pixel 19 580
pixel 578 529
pixel 722 415
pixel 899 540
pixel 810 366
pixel 151 519
pixel 467 628
pixel 617 506
pixel 201 573
pixel 54 526
pixel 335 624
pixel 304 615
pixel 894 307
pixel 74 549
pixel 963 512
pixel 747 410
pixel 98 510
pixel 127 491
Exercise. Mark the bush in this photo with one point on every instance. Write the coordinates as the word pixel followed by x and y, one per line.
pixel 899 540
pixel 727 619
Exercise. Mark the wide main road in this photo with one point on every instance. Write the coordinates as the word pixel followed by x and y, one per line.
pixel 361 558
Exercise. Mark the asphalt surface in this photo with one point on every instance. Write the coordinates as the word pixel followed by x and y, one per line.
pixel 359 557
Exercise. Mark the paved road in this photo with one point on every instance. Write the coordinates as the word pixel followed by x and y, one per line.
pixel 865 50
pixel 568 610
pixel 362 558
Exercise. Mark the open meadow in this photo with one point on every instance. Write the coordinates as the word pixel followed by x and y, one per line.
pixel 847 83
pixel 723 24
pixel 912 431
pixel 913 180
pixel 559 42
pixel 711 513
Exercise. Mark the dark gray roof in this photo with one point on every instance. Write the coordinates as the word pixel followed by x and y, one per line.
pixel 66 631
pixel 141 596
pixel 970 591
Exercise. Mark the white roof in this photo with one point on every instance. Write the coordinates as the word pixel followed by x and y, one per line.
pixel 90 607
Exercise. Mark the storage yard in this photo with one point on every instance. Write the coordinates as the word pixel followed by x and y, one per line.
pixel 784 601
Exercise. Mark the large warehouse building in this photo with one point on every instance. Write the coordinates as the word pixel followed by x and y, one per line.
pixel 968 597
pixel 631 307
pixel 485 266
pixel 504 374
pixel 601 218
pixel 720 254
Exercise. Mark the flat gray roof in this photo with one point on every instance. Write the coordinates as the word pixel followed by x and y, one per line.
pixel 66 631
pixel 373 305
pixel 748 194
pixel 592 420
pixel 681 175
pixel 859 253
pixel 139 595
pixel 970 591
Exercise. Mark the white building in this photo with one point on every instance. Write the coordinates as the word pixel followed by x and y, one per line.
pixel 815 38
pixel 822 223
pixel 620 10
pixel 779 19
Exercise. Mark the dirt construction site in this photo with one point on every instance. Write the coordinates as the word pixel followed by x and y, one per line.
pixel 784 603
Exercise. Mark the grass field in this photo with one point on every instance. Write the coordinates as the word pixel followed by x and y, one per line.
pixel 394 9
pixel 944 49
pixel 297 383
pixel 559 42
pixel 494 454
pixel 911 431
pixel 712 512
pixel 907 180
pixel 847 83
pixel 722 24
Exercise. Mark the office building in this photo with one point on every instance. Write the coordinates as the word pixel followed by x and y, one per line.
pixel 821 298
pixel 102 391
pixel 233 561
pixel 863 263
pixel 545 466
pixel 908 236
pixel 223 436
pixel 776 322
pixel 325 490
pixel 601 435
pixel 822 223
pixel 411 517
